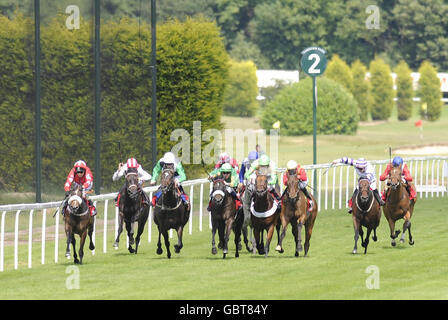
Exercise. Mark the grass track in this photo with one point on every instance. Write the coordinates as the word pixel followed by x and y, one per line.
pixel 330 271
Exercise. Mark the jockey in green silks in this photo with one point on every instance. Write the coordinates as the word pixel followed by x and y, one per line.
pixel 229 175
pixel 264 162
pixel 169 161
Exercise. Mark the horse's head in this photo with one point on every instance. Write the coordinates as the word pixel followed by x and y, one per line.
pixel 364 190
pixel 167 180
pixel 395 177
pixel 261 183
pixel 75 197
pixel 219 191
pixel 293 186
pixel 132 182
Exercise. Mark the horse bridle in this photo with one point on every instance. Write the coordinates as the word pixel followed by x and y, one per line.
pixel 72 210
pixel 132 194
pixel 219 191
pixel 168 186
pixel 394 186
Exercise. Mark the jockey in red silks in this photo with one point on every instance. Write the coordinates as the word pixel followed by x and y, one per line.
pixel 295 168
pixel 398 162
pixel 225 158
pixel 82 175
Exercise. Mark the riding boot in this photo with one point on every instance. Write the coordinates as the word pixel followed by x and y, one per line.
pixel 275 194
pixel 145 199
pixel 310 200
pixel 378 197
pixel 121 189
pixel 350 203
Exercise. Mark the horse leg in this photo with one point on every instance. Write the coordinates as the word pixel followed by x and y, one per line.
pixel 393 233
pixel 159 243
pixel 81 246
pixel 257 240
pixel 69 239
pixel 227 231
pixel 130 231
pixel 90 233
pixel 167 243
pixel 119 231
pixel 374 238
pixel 284 223
pixel 407 226
pixel 141 228
pixel 299 238
pixel 269 235
pixel 366 242
pixel 214 250
pixel 356 226
pixel 179 244
pixel 237 229
pixel 75 255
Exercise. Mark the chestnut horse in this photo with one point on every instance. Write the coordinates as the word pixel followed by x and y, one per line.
pixel 170 212
pixel 264 213
pixel 77 221
pixel 224 218
pixel 366 212
pixel 294 211
pixel 398 206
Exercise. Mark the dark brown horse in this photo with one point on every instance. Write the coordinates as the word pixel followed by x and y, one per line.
pixel 131 209
pixel 294 211
pixel 264 213
pixel 170 212
pixel 77 221
pixel 398 206
pixel 366 213
pixel 224 218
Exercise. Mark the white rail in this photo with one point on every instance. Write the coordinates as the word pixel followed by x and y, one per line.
pixel 333 188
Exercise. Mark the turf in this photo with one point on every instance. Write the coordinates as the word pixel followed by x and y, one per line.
pixel 329 272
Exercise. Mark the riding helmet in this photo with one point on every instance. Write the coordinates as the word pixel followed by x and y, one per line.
pixel 397 161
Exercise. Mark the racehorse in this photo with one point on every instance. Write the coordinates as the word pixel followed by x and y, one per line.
pixel 170 212
pixel 77 221
pixel 366 212
pixel 294 211
pixel 131 209
pixel 264 213
pixel 225 218
pixel 246 198
pixel 398 206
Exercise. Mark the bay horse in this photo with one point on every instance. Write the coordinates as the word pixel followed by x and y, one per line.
pixel 170 212
pixel 77 221
pixel 131 209
pixel 225 218
pixel 294 211
pixel 366 213
pixel 398 206
pixel 264 213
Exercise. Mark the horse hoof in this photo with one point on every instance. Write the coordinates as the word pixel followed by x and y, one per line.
pixel 237 255
pixel 355 251
pixel 131 250
pixel 374 239
pixel 214 251
pixel 393 243
pixel 401 240
pixel 169 255
pixel 92 247
pixel 296 254
pixel 76 261
pixel 115 245
pixel 177 248
pixel 411 242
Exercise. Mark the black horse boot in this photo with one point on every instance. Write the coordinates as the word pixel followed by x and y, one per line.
pixel 310 200
pixel 378 197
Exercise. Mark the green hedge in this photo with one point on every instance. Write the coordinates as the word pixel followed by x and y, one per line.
pixel 293 106
pixel 382 90
pixel 429 92
pixel 192 72
pixel 405 92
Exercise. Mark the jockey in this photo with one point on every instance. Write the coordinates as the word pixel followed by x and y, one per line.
pixel 170 161
pixel 294 168
pixel 364 170
pixel 247 162
pixel 142 176
pixel 228 174
pixel 398 162
pixel 225 158
pixel 261 162
pixel 81 174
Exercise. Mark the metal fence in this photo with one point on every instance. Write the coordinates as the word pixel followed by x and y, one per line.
pixel 333 187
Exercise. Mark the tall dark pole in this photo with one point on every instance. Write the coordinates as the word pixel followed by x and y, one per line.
pixel 154 87
pixel 97 100
pixel 37 98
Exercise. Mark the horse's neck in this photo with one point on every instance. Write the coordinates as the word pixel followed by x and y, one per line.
pixel 170 198
pixel 261 204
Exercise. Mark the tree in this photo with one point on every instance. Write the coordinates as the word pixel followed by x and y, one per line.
pixel 429 92
pixel 382 90
pixel 340 72
pixel 361 89
pixel 405 91
pixel 241 92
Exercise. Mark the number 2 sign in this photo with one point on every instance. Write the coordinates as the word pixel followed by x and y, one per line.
pixel 313 61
